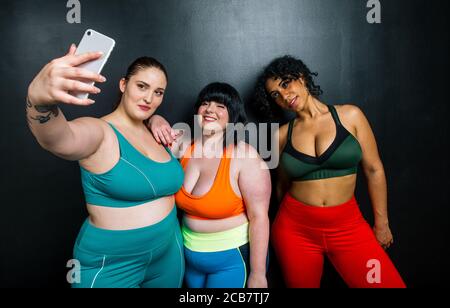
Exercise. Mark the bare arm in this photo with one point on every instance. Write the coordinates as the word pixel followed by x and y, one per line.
pixel 255 186
pixel 166 135
pixel 283 181
pixel 73 140
pixel 374 173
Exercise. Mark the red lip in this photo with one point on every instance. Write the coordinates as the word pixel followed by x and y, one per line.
pixel 144 108
pixel 292 103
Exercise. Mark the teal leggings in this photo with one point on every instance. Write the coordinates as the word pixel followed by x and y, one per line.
pixel 149 257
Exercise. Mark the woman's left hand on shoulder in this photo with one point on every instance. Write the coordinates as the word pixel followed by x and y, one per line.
pixel 162 131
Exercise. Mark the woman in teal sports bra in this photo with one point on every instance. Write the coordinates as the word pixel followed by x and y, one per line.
pixel 321 149
pixel 132 236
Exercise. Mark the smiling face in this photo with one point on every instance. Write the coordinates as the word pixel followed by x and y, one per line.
pixel 213 116
pixel 288 93
pixel 143 92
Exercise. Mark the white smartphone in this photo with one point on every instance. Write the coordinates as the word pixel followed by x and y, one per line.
pixel 94 41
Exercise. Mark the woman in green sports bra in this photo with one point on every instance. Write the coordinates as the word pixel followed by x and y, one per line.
pixel 132 237
pixel 320 152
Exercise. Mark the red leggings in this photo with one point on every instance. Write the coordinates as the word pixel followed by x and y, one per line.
pixel 303 234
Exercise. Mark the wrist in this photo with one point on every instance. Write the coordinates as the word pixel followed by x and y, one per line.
pixel 31 97
pixel 381 223
pixel 31 101
pixel 259 273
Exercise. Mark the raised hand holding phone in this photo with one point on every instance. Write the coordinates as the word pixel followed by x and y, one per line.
pixel 68 79
pixel 94 41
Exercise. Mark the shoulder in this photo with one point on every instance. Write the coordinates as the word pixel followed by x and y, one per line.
pixel 283 130
pixel 282 135
pixel 350 114
pixel 247 157
pixel 349 110
pixel 91 121
pixel 94 125
pixel 245 150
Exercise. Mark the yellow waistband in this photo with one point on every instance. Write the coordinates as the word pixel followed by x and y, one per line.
pixel 217 241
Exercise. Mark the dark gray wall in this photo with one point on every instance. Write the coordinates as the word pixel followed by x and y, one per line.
pixel 395 71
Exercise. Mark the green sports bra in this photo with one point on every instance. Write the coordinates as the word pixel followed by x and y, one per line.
pixel 134 180
pixel 340 159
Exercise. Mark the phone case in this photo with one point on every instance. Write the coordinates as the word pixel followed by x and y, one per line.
pixel 94 41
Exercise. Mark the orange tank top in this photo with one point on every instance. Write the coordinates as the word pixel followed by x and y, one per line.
pixel 219 202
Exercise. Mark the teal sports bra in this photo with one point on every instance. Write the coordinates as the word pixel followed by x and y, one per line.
pixel 340 159
pixel 134 180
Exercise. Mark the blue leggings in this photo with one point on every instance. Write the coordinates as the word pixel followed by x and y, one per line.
pixel 149 257
pixel 221 269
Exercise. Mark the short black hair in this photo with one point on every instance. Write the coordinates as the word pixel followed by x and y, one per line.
pixel 282 68
pixel 226 94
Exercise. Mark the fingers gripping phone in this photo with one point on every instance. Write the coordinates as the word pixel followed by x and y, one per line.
pixel 94 41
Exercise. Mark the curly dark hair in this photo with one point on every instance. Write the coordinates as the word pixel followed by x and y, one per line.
pixel 283 68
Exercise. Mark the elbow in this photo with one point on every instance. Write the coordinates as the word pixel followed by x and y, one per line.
pixel 261 219
pixel 259 227
pixel 48 146
pixel 374 170
pixel 58 150
pixel 46 142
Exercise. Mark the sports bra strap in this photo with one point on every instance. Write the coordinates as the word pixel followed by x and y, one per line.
pixel 120 138
pixel 334 115
pixel 291 125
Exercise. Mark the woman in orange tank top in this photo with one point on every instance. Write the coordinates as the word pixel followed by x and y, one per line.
pixel 225 222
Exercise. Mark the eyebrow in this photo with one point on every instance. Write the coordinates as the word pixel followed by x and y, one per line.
pixel 281 81
pixel 147 85
pixel 279 84
pixel 217 103
pixel 144 83
pixel 272 92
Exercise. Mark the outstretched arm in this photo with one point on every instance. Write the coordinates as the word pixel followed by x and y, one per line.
pixel 73 140
pixel 283 182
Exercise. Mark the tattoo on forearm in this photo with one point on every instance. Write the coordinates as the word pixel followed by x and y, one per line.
pixel 46 110
pixel 26 112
